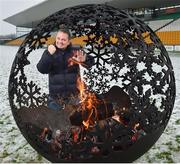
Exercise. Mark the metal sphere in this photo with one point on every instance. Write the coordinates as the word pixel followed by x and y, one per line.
pixel 132 70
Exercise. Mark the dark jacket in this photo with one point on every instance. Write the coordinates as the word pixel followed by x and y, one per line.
pixel 62 79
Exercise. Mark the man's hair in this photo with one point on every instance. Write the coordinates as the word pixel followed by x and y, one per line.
pixel 65 31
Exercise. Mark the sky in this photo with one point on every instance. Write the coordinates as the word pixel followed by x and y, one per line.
pixel 11 7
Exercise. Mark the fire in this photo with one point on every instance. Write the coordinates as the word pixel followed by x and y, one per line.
pixel 86 124
pixel 43 134
pixel 136 126
pixel 81 88
pixel 88 101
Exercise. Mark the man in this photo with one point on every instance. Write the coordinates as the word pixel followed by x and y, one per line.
pixel 61 61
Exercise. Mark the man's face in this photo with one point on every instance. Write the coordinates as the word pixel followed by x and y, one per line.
pixel 62 40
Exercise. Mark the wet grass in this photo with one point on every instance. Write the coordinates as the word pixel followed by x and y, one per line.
pixel 166 156
pixel 178 139
pixel 39 157
pixel 177 122
pixel 5 154
pixel 173 147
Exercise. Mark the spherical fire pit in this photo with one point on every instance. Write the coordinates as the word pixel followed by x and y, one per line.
pixel 131 88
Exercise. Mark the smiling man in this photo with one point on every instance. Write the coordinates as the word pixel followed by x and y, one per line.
pixel 61 61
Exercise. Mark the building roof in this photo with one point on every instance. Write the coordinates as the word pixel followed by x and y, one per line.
pixel 32 16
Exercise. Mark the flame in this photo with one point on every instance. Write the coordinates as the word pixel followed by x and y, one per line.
pixel 86 124
pixel 137 132
pixel 81 88
pixel 136 126
pixel 88 102
pixel 43 134
pixel 75 137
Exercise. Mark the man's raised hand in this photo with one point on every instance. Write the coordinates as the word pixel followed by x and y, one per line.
pixel 79 56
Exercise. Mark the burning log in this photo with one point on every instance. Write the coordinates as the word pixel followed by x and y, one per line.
pixel 101 112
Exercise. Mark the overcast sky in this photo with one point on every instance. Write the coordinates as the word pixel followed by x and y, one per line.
pixel 11 7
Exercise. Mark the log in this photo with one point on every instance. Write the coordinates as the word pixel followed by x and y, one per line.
pixel 102 111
